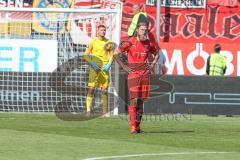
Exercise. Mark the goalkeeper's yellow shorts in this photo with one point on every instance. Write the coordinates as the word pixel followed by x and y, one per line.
pixel 100 79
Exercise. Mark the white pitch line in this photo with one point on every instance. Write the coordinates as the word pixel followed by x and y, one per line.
pixel 155 154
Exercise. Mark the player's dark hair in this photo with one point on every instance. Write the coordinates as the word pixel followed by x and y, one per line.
pixel 142 24
pixel 50 2
pixel 217 48
pixel 101 26
pixel 139 25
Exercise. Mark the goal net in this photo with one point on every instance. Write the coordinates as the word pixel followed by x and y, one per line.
pixel 41 64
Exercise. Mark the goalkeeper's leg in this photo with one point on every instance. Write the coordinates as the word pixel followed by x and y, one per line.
pixel 91 86
pixel 103 82
pixel 89 99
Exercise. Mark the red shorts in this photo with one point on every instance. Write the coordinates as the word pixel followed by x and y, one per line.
pixel 139 85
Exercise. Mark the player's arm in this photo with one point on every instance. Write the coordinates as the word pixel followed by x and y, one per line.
pixel 107 66
pixel 109 48
pixel 111 57
pixel 88 52
pixel 118 55
pixel 154 49
pixel 154 56
pixel 88 56
pixel 118 58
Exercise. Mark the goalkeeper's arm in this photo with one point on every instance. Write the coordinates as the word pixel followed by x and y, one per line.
pixel 88 57
pixel 107 67
pixel 88 52
pixel 109 48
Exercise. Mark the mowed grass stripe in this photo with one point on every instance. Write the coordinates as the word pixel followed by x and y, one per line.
pixel 110 136
pixel 33 145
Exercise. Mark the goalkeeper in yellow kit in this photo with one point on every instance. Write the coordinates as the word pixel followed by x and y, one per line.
pixel 99 54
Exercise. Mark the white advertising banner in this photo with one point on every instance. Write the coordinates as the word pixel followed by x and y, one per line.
pixel 179 3
pixel 22 55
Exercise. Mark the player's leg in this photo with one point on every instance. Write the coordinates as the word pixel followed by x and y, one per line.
pixel 141 91
pixel 144 93
pixel 133 96
pixel 91 86
pixel 89 99
pixel 132 111
pixel 103 82
pixel 139 114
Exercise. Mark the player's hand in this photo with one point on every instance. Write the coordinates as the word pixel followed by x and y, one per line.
pixel 126 68
pixel 87 57
pixel 94 66
pixel 151 67
pixel 106 67
pixel 110 46
pixel 164 69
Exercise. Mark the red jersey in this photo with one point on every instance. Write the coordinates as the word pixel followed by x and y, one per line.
pixel 139 53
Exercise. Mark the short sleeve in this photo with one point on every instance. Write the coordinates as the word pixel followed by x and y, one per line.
pixel 90 44
pixel 124 46
pixel 89 47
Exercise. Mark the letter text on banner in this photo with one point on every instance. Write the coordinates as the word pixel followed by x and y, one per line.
pixel 21 55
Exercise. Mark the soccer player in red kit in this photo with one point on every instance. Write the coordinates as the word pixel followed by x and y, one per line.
pixel 142 55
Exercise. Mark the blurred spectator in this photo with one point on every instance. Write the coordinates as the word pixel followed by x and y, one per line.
pixel 216 63
pixel 139 16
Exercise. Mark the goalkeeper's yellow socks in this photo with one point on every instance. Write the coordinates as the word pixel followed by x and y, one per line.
pixel 104 103
pixel 89 101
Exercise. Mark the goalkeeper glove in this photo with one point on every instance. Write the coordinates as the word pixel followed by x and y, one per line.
pixel 107 67
pixel 94 66
pixel 109 46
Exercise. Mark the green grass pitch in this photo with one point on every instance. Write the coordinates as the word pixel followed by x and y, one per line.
pixel 45 137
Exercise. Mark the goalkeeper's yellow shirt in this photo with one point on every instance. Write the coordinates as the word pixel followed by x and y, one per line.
pixel 100 54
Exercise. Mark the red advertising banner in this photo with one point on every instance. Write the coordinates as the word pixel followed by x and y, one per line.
pixel 231 3
pixel 187 35
pixel 212 24
pixel 191 58
pixel 87 3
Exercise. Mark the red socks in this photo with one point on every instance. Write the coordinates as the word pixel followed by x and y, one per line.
pixel 139 118
pixel 135 117
pixel 132 111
